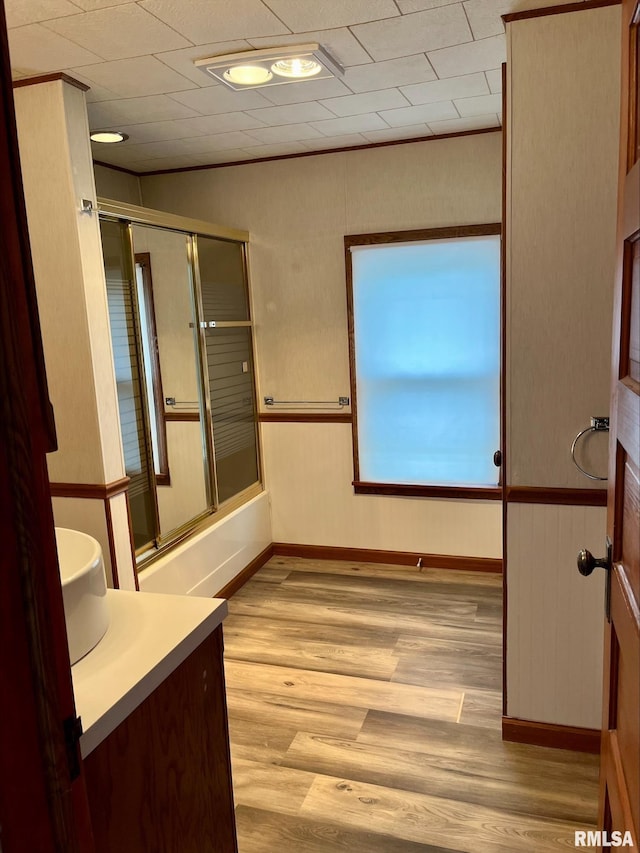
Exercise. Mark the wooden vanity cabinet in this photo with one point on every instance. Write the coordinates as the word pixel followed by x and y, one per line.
pixel 161 781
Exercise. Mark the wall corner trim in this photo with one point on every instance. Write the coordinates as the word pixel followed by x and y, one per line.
pixel 97 491
pixel 544 11
pixel 50 78
pixel 554 735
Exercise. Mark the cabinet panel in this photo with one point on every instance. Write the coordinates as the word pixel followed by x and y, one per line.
pixel 162 781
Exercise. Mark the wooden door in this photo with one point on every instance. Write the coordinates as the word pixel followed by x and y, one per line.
pixel 42 807
pixel 620 768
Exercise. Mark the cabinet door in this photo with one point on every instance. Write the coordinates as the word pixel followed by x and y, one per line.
pixel 161 781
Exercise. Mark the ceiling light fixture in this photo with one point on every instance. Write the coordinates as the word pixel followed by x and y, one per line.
pixel 110 136
pixel 275 66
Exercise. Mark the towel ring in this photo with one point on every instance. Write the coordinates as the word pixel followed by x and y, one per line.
pixel 597 425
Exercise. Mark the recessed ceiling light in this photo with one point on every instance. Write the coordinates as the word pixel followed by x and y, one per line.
pixel 108 136
pixel 275 66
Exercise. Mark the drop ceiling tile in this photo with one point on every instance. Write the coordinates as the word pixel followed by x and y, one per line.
pixel 479 106
pixel 179 162
pixel 132 78
pixel 284 133
pixel 36 50
pixel 292 113
pixel 447 90
pixel 393 72
pixel 220 99
pixel 416 33
pixel 90 5
pixel 461 124
pixel 407 6
pixel 494 79
pixel 217 142
pixel 118 32
pixel 221 123
pixel 394 134
pixel 469 58
pixel 19 13
pixel 301 15
pixel 340 43
pixel 203 21
pixel 425 113
pixel 277 150
pixel 136 111
pixel 370 102
pixel 160 131
pixel 94 93
pixel 485 16
pixel 309 90
pixel 182 60
pixel 139 152
pixel 347 140
pixel 352 124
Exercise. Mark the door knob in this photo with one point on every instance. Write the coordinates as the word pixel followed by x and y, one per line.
pixel 587 562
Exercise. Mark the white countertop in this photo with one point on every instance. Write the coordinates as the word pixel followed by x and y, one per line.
pixel 149 636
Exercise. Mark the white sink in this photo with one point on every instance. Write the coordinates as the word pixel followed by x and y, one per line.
pixel 84 590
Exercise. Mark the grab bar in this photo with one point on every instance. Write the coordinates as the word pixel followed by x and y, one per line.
pixel 294 404
pixel 182 404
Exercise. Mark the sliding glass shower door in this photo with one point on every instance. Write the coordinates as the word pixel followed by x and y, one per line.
pixel 229 363
pixel 183 357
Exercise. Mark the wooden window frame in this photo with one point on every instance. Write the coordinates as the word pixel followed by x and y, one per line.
pixel 143 260
pixel 409 489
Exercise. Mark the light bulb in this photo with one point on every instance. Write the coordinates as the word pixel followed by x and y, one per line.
pixel 248 75
pixel 296 67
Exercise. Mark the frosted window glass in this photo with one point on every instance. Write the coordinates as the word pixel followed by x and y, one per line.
pixel 427 350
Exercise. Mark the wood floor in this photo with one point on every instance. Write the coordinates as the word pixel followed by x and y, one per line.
pixel 365 709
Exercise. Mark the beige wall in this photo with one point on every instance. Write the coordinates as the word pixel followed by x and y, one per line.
pixel 112 183
pixel 297 212
pixel 57 173
pixel 564 115
pixel 563 85
pixel 65 246
pixel 556 617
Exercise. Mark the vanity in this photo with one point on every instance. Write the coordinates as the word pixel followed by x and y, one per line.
pixel 151 697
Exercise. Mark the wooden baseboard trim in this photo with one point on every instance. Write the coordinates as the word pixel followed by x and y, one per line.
pixel 95 491
pixel 398 558
pixel 562 497
pixel 551 734
pixel 248 572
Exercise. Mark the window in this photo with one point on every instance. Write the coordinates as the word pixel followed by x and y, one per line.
pixel 424 315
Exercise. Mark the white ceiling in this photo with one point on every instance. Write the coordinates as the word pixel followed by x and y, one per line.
pixel 413 68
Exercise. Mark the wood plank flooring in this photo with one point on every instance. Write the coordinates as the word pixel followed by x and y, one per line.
pixel 365 711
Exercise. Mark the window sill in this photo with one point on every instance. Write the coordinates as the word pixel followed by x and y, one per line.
pixel 482 493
